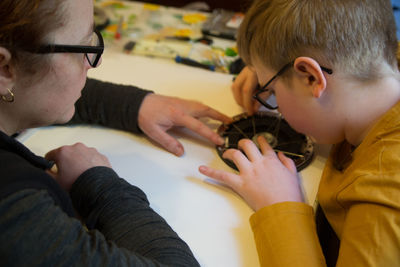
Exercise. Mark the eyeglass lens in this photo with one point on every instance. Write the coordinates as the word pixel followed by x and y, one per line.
pixel 94 42
pixel 268 98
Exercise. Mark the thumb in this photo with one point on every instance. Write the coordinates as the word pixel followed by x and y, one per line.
pixel 53 171
pixel 256 106
pixel 52 174
pixel 52 155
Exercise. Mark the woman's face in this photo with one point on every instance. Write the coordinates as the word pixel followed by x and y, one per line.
pixel 51 98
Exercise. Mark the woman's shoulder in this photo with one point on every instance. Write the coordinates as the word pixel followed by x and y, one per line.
pixel 18 173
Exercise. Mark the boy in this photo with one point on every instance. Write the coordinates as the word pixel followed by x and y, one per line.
pixel 331 65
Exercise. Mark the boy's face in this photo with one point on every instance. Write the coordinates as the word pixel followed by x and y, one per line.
pixel 305 112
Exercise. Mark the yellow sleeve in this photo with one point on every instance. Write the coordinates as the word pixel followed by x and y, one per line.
pixel 285 235
pixel 370 237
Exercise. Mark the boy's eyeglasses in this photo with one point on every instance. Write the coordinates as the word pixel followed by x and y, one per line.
pixel 264 95
pixel 93 52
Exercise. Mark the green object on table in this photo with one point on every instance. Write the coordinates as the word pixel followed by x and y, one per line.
pixel 230 52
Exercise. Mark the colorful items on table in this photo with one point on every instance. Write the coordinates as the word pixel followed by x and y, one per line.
pixel 159 31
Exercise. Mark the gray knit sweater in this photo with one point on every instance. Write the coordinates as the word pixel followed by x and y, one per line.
pixel 39 222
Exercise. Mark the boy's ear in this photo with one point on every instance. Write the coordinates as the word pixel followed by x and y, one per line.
pixel 7 73
pixel 311 73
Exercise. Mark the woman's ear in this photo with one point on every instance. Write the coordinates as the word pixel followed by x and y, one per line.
pixel 311 74
pixel 7 73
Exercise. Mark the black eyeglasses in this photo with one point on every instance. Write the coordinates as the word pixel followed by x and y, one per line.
pixel 266 97
pixel 93 52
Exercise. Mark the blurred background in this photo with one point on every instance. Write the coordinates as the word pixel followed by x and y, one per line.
pixel 242 5
pixel 233 5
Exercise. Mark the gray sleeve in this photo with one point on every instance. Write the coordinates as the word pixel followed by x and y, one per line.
pixel 109 104
pixel 125 231
pixel 122 213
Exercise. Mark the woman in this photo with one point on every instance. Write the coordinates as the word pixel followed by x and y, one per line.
pixel 39 85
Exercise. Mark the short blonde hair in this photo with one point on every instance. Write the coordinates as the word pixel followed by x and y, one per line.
pixel 356 36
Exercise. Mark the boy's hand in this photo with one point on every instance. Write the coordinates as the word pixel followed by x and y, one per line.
pixel 264 177
pixel 243 89
pixel 159 113
pixel 72 161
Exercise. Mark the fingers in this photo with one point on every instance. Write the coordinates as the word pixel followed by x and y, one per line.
pixel 200 128
pixel 247 95
pixel 251 153
pixel 250 149
pixel 237 90
pixel 189 118
pixel 240 160
pixel 52 173
pixel 79 154
pixel 225 177
pixel 209 112
pixel 159 113
pixel 165 140
pixel 264 146
pixel 73 160
pixel 256 107
pixel 53 155
pixel 243 87
pixel 287 162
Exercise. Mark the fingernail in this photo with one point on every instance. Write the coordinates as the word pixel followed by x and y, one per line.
pixel 178 151
pixel 220 141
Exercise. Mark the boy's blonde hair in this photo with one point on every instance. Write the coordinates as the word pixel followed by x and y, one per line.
pixel 356 36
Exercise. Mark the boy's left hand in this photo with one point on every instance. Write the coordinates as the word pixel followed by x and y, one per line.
pixel 264 178
pixel 243 88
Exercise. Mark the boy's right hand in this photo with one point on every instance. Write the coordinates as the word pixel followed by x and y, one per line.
pixel 264 177
pixel 72 161
pixel 243 89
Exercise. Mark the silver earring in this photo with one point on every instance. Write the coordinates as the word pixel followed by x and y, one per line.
pixel 8 98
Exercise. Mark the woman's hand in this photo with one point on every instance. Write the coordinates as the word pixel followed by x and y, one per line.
pixel 72 161
pixel 243 89
pixel 264 177
pixel 159 113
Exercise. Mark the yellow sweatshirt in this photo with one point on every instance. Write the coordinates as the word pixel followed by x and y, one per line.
pixel 361 202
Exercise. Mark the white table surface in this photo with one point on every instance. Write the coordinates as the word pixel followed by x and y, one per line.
pixel 212 219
